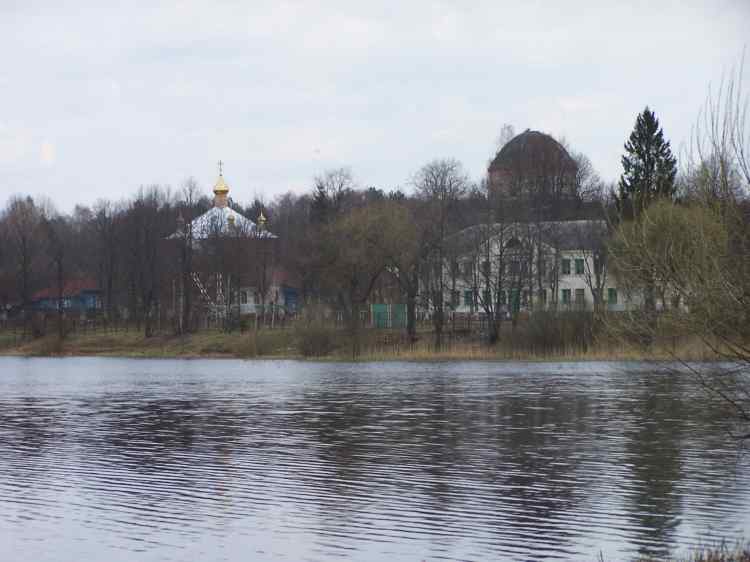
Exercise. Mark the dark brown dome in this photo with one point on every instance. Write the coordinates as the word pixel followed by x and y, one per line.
pixel 533 150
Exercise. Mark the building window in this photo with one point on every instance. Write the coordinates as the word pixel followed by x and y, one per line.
pixel 503 298
pixel 566 267
pixel 515 267
pixel 243 297
pixel 468 297
pixel 580 297
pixel 566 294
pixel 455 299
pixel 612 296
pixel 579 266
pixel 486 296
pixel 543 296
pixel 486 268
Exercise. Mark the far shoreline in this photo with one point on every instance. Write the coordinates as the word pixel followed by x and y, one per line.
pixel 282 346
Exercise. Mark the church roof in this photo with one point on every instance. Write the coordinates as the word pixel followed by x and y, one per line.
pixel 221 220
pixel 225 221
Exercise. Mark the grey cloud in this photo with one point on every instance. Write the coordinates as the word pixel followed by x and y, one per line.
pixel 98 99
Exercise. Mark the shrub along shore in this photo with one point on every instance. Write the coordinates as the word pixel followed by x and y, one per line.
pixel 319 343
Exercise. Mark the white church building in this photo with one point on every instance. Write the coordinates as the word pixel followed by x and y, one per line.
pixel 270 293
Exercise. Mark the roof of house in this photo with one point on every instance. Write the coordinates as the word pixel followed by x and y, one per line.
pixel 563 235
pixel 281 276
pixel 71 288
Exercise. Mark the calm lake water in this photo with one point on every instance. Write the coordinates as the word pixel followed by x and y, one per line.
pixel 108 460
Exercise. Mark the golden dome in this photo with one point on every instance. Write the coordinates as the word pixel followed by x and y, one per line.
pixel 221 186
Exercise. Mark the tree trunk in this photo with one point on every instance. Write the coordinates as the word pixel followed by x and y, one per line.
pixel 437 320
pixel 649 305
pixel 187 300
pixel 493 325
pixel 60 312
pixel 147 320
pixel 411 315
pixel 355 330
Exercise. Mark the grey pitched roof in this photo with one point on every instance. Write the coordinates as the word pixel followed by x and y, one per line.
pixel 563 235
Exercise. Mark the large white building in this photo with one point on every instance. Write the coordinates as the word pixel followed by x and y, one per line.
pixel 509 267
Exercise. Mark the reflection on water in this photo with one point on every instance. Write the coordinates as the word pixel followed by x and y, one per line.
pixel 185 460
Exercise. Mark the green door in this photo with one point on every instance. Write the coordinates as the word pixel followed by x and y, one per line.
pixel 380 315
pixel 515 301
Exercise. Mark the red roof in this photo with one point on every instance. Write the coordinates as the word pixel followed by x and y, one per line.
pixel 71 288
pixel 280 276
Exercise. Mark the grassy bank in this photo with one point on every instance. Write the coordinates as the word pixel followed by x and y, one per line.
pixel 321 343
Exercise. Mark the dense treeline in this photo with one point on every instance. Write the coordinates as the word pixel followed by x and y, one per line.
pixel 339 240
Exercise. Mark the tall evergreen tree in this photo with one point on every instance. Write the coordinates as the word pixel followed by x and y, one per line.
pixel 649 167
pixel 321 205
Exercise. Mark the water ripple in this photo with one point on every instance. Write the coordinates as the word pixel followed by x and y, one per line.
pixel 183 460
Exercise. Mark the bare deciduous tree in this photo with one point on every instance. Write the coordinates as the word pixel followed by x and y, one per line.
pixel 22 228
pixel 439 185
pixel 58 238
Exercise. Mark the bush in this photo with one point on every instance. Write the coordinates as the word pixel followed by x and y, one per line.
pixel 263 343
pixel 315 339
pixel 248 347
pixel 215 347
pixel 549 333
pixel 51 345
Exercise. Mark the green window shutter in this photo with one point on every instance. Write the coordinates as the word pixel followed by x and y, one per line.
pixel 579 267
pixel 566 267
pixel 468 297
pixel 580 297
pixel 566 296
pixel 612 296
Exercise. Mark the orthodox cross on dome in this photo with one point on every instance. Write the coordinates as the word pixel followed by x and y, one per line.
pixel 221 189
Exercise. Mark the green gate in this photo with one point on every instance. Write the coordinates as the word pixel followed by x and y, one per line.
pixel 398 316
pixel 380 316
pixel 386 316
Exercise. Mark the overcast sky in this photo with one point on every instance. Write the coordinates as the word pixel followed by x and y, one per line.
pixel 99 98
